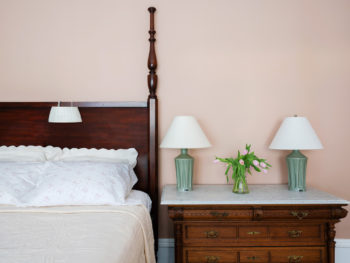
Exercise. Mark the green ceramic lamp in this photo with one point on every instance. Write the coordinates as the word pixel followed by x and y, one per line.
pixel 296 134
pixel 184 133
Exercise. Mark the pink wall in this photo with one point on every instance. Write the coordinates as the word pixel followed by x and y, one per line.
pixel 239 66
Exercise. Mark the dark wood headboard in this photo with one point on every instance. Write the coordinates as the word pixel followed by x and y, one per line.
pixel 110 125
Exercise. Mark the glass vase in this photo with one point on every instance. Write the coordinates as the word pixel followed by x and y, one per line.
pixel 240 185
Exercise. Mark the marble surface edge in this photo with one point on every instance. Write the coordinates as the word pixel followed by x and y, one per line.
pixel 259 195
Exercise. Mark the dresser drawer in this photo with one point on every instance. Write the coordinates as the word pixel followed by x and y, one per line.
pixel 298 255
pixel 297 232
pixel 217 214
pixel 253 232
pixel 215 232
pixel 297 214
pixel 256 256
pixel 210 256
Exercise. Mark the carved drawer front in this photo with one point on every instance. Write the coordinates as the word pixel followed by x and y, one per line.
pixel 298 255
pixel 254 256
pixel 219 214
pixel 297 214
pixel 210 256
pixel 212 233
pixel 253 232
pixel 297 232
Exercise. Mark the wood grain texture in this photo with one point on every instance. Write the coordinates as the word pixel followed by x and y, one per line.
pixel 234 233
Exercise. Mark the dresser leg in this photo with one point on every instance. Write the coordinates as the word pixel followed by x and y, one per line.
pixel 178 242
pixel 331 243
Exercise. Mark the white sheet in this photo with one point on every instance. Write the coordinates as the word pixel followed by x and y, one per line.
pixel 80 234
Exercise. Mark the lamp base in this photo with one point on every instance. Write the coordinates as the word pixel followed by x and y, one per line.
pixel 296 163
pixel 184 171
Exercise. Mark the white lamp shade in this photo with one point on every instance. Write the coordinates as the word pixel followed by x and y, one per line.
pixel 185 133
pixel 64 115
pixel 296 133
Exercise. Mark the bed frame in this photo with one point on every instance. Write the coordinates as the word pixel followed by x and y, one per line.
pixel 110 125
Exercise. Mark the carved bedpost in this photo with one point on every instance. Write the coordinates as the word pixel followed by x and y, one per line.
pixel 152 80
pixel 152 58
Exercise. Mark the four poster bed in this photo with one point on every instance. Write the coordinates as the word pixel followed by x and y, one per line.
pixel 109 125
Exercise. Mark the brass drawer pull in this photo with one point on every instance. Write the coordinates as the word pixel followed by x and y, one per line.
pixel 299 214
pixel 212 234
pixel 295 233
pixel 295 259
pixel 212 259
pixel 253 233
pixel 218 214
pixel 252 258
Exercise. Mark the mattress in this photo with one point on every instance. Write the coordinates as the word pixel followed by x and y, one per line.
pixel 79 234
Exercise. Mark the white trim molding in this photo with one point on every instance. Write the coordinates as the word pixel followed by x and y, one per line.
pixel 342 250
pixel 166 250
pixel 166 242
pixel 342 243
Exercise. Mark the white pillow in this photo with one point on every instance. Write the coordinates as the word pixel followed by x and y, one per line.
pixel 22 153
pixel 17 179
pixel 52 152
pixel 99 155
pixel 82 183
pixel 7 198
pixel 136 197
pixel 29 153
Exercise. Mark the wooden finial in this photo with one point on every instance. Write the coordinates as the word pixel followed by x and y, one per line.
pixel 152 9
pixel 152 58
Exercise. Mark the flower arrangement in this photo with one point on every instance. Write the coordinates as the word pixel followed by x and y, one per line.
pixel 241 165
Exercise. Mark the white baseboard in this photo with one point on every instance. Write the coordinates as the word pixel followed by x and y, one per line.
pixel 342 250
pixel 166 250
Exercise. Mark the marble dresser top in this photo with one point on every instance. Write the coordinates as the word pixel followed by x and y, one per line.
pixel 259 194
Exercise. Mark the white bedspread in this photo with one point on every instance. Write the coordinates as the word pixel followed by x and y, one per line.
pixel 82 234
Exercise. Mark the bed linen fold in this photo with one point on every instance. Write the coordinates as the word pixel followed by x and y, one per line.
pixel 79 234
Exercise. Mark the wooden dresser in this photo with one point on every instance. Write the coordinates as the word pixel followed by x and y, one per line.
pixel 268 225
